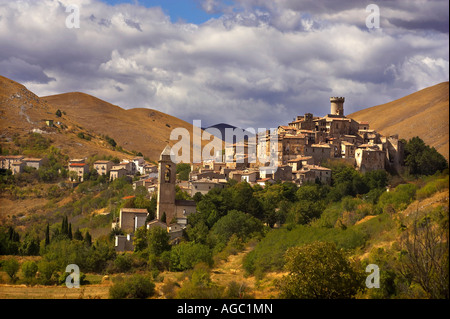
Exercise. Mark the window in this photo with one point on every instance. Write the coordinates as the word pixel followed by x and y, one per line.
pixel 167 174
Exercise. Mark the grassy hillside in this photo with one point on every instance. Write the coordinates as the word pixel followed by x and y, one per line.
pixel 136 130
pixel 139 129
pixel 423 113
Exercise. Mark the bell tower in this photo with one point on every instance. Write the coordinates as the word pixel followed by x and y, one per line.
pixel 166 186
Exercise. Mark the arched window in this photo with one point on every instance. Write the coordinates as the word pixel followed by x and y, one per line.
pixel 167 174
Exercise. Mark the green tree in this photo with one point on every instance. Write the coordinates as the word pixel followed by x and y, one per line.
pixel 29 269
pixel 183 170
pixel 238 223
pixel 421 159
pixel 187 255
pixel 320 271
pixel 11 267
pixel 58 113
pixel 88 238
pixel 158 240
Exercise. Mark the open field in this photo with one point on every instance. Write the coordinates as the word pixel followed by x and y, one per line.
pixel 224 273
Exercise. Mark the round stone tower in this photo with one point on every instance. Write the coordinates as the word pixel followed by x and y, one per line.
pixel 337 105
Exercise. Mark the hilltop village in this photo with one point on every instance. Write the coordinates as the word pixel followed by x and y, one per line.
pixel 303 145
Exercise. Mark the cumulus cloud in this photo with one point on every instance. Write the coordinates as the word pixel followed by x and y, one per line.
pixel 258 65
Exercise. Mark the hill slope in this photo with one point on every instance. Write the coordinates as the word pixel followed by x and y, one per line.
pixel 423 113
pixel 141 130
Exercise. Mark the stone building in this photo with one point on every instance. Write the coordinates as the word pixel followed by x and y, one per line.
pixel 80 168
pixel 131 219
pixel 117 172
pixel 369 157
pixel 166 204
pixel 8 160
pixel 103 166
pixel 204 185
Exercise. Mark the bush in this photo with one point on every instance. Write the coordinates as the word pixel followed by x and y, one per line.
pixel 134 287
pixel 399 198
pixel 320 271
pixel 200 285
pixel 432 187
pixel 187 255
pixel 235 223
pixel 29 269
pixel 11 267
pixel 123 262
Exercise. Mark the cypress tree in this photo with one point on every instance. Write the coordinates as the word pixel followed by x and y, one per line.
pixel 88 238
pixel 78 235
pixel 47 235
pixel 69 233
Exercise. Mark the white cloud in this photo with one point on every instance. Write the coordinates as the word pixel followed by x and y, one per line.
pixel 253 67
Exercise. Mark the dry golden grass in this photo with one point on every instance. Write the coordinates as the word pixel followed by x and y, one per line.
pixel 424 114
pixel 54 292
pixel 141 130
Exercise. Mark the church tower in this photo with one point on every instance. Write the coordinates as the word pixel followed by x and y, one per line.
pixel 166 186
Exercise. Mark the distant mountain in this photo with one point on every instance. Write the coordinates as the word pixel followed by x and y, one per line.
pixel 222 127
pixel 139 129
pixel 423 113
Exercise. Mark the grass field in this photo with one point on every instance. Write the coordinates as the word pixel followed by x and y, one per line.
pixel 224 273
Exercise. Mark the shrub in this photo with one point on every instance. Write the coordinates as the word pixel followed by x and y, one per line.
pixel 320 271
pixel 187 255
pixel 11 267
pixel 123 262
pixel 200 285
pixel 29 269
pixel 134 287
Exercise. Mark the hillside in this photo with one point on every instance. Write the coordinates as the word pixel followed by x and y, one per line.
pixel 140 130
pixel 423 113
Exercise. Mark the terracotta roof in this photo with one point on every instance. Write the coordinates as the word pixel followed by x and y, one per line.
pixel 102 162
pixel 30 159
pixel 128 197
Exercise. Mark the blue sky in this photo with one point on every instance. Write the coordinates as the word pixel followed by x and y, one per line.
pixel 189 11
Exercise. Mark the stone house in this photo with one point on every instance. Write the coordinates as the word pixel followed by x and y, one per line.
pixel 103 166
pixel 312 174
pixel 369 158
pixel 17 167
pixel 347 149
pixel 131 219
pixel 319 152
pixel 204 186
pixel 250 176
pixel 8 160
pixel 33 162
pixel 117 172
pixel 80 168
